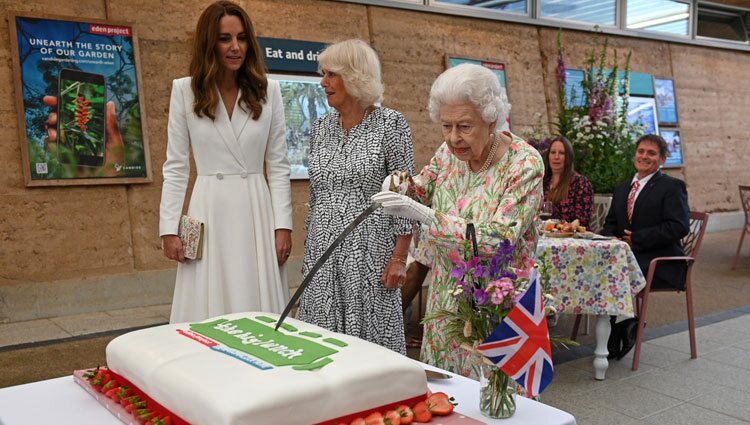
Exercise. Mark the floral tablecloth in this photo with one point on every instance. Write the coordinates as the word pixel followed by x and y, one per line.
pixel 591 276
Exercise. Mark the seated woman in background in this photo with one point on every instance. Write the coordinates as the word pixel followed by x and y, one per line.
pixel 569 192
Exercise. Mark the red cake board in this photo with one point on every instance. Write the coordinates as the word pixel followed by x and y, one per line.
pixel 116 408
pixel 456 418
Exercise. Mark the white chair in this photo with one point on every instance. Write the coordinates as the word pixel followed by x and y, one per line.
pixel 601 208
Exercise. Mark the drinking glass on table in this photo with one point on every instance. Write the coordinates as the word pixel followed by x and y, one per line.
pixel 545 212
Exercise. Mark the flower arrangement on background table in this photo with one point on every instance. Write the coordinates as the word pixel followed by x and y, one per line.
pixel 602 137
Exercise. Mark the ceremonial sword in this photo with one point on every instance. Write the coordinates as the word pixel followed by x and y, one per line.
pixel 318 264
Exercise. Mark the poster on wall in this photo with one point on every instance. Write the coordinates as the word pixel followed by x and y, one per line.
pixel 643 110
pixel 495 66
pixel 666 104
pixel 674 148
pixel 80 112
pixel 304 102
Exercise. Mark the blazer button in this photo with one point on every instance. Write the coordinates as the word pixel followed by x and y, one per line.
pixel 219 176
pixel 243 174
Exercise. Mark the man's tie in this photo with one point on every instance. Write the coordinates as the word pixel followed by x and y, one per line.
pixel 631 200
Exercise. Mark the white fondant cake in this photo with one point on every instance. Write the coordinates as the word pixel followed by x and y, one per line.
pixel 255 375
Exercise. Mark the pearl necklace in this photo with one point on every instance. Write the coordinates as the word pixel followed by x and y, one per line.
pixel 364 115
pixel 490 157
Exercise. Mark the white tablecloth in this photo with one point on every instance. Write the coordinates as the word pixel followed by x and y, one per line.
pixel 61 401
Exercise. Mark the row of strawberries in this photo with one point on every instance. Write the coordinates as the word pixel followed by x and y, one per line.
pixel 438 404
pixel 135 404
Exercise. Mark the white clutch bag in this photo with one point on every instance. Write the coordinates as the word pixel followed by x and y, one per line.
pixel 191 235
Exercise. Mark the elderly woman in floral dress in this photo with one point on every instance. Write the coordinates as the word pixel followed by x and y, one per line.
pixel 479 175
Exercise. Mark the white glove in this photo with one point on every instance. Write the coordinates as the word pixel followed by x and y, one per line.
pixel 402 206
pixel 397 182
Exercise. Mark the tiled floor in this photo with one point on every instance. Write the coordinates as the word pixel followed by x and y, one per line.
pixel 669 387
pixel 60 328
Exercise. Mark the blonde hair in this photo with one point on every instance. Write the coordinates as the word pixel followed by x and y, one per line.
pixel 470 83
pixel 359 67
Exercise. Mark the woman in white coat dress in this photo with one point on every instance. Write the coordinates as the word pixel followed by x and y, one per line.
pixel 232 118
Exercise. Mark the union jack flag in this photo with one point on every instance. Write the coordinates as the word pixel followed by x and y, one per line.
pixel 520 344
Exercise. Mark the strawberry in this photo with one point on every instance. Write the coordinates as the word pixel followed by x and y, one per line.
pixel 109 385
pixel 437 395
pixel 407 416
pixel 144 414
pixel 421 412
pixel 129 400
pixel 158 420
pixel 134 406
pixel 358 421
pixel 440 404
pixel 122 392
pixel 93 374
pixel 375 419
pixel 392 418
pixel 101 379
pixel 441 407
pixel 104 380
pixel 112 393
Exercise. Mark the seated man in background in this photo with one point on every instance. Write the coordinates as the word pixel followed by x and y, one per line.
pixel 651 214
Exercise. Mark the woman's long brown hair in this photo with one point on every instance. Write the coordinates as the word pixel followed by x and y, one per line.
pixel 560 192
pixel 204 66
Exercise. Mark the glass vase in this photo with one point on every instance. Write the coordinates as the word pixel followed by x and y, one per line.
pixel 497 393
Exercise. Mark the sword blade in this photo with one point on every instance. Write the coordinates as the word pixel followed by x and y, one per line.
pixel 318 264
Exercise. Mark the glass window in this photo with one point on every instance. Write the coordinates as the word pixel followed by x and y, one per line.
pixel 513 6
pixel 659 15
pixel 721 23
pixel 600 12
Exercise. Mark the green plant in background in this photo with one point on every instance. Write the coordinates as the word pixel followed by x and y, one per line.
pixel 602 137
pixel 81 124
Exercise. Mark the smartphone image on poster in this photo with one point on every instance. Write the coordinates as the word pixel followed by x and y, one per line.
pixel 80 118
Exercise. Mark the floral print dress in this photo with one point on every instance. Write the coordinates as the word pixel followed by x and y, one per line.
pixel 508 192
pixel 578 205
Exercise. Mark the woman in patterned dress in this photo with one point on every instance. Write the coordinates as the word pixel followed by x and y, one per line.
pixel 569 192
pixel 352 149
pixel 479 175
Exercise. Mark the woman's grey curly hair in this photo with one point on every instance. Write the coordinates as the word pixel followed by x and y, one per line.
pixel 470 83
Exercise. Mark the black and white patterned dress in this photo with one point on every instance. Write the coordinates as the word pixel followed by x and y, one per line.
pixel 345 170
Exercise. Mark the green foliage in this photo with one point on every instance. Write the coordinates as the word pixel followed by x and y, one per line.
pixel 603 140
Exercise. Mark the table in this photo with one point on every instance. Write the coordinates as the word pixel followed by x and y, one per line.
pixel 466 392
pixel 61 401
pixel 596 277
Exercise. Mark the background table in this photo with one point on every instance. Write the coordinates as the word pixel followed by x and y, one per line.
pixel 61 401
pixel 596 277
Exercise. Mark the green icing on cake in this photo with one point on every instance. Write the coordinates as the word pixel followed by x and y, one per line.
pixel 312 366
pixel 265 319
pixel 336 342
pixel 288 327
pixel 263 342
pixel 310 334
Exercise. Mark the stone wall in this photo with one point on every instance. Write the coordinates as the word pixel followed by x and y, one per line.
pixel 61 247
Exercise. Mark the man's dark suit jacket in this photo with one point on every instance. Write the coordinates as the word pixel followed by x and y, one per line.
pixel 661 218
